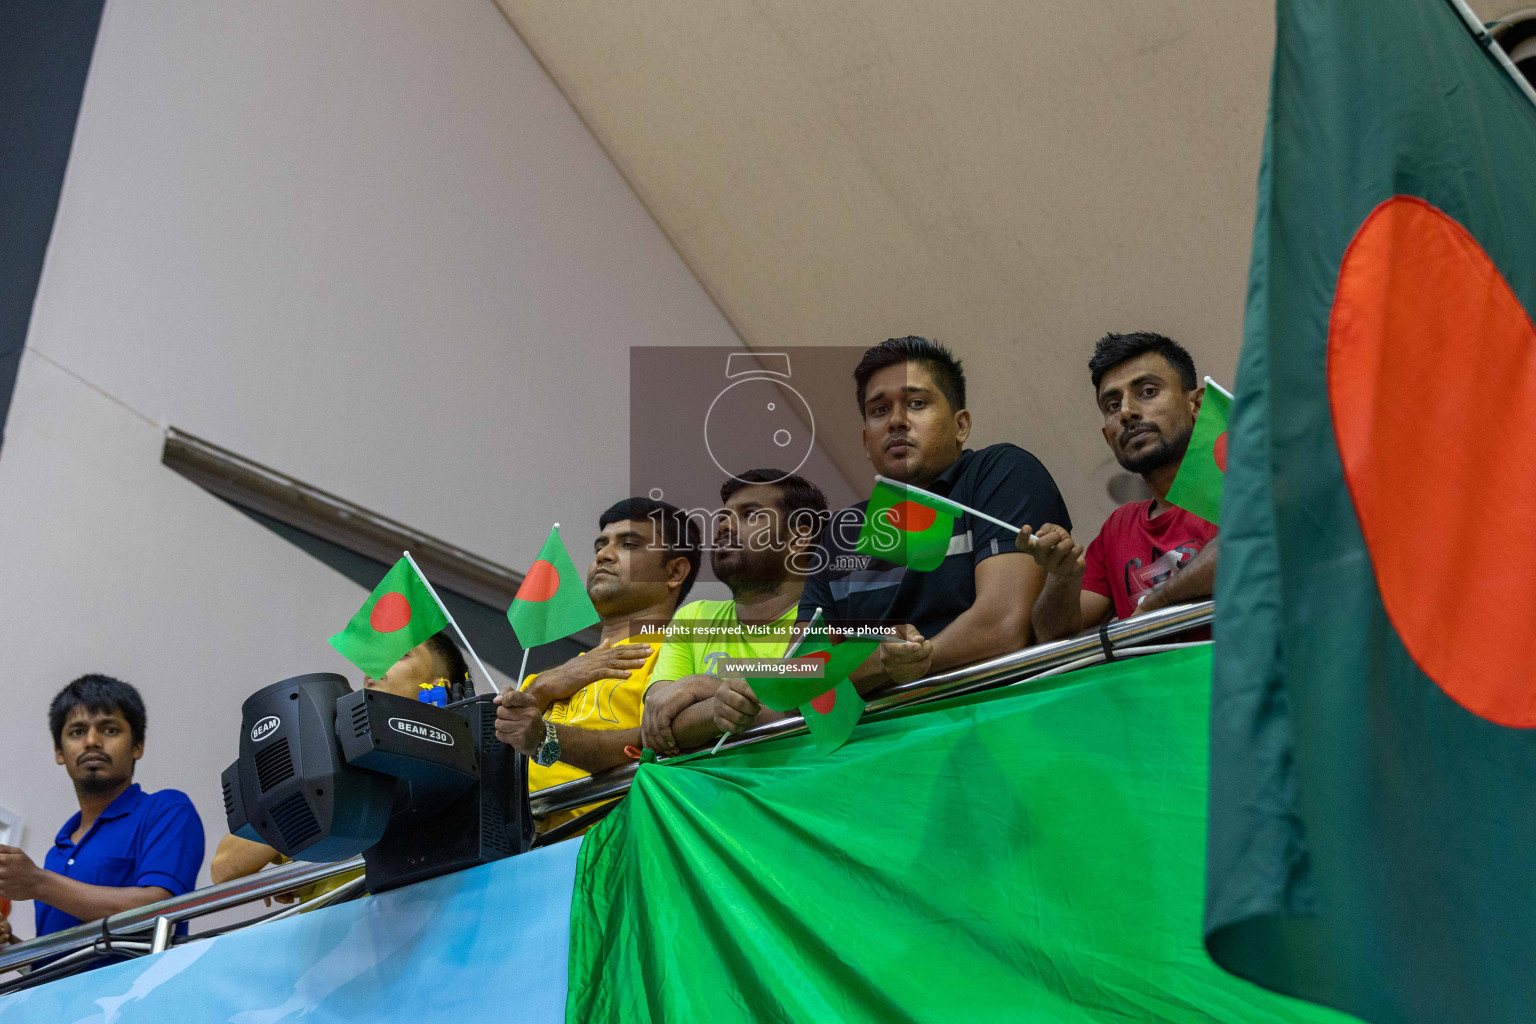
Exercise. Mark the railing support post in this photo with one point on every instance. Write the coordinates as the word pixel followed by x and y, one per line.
pixel 162 939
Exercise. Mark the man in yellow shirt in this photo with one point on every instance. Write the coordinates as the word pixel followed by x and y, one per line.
pixel 645 558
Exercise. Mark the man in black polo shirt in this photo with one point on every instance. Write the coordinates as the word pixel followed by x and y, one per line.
pixel 911 394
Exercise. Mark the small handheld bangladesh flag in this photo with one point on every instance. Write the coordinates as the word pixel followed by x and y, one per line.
pixel 907 525
pixel 552 603
pixel 831 705
pixel 399 614
pixel 1197 488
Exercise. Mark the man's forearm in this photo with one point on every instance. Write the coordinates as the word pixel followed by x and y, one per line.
pixel 978 633
pixel 1197 580
pixel 697 687
pixel 665 701
pixel 595 750
pixel 869 676
pixel 1058 609
pixel 551 685
pixel 1194 581
pixel 94 902
pixel 237 858
pixel 695 726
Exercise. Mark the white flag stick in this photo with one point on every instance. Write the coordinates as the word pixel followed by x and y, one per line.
pixel 809 625
pixel 1224 392
pixel 941 500
pixel 484 672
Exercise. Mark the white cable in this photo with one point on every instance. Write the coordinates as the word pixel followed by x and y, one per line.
pixel 319 901
pixel 1092 659
pixel 1159 648
pixel 97 948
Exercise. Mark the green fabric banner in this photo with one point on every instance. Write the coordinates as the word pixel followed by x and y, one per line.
pixel 1032 854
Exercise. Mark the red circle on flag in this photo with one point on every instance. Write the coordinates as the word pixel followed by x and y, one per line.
pixel 826 702
pixel 391 612
pixel 1219 451
pixel 1432 386
pixel 541 583
pixel 910 517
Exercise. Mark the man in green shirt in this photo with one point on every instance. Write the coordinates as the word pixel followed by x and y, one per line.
pixel 764 537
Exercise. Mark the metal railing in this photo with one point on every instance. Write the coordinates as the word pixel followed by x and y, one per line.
pixel 158 920
pixel 145 920
pixel 1003 670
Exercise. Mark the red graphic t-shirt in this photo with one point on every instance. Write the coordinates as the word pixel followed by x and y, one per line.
pixel 1134 553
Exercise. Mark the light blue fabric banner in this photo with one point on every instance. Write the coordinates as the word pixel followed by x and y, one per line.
pixel 485 944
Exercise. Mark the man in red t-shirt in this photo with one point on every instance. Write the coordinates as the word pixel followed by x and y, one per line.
pixel 1148 554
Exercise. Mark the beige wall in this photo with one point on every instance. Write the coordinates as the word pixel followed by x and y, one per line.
pixel 368 244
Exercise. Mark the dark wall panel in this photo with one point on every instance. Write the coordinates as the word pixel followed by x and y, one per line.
pixel 45 52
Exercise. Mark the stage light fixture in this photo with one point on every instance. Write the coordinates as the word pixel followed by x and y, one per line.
pixel 326 773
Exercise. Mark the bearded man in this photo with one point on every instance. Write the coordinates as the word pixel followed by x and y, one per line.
pixel 1149 554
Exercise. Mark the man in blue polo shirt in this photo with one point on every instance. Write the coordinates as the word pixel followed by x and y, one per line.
pixel 125 848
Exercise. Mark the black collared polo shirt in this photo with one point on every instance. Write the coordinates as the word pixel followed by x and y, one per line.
pixel 1002 480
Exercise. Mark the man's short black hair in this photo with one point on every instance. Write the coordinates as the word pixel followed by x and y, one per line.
pixel 455 668
pixel 1114 349
pixel 939 360
pixel 679 535
pixel 802 502
pixel 100 695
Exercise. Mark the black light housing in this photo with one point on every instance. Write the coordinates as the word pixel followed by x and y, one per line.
pixel 326 773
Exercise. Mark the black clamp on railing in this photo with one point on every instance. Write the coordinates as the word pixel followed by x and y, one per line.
pixel 1106 644
pixel 105 942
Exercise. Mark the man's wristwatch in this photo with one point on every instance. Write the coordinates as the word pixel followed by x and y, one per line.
pixel 549 750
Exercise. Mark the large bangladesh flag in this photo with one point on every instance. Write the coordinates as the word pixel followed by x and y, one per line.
pixel 1373 773
pixel 907 525
pixel 552 602
pixel 399 614
pixel 1029 854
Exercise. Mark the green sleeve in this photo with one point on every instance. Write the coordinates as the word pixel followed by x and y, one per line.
pixel 674 661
